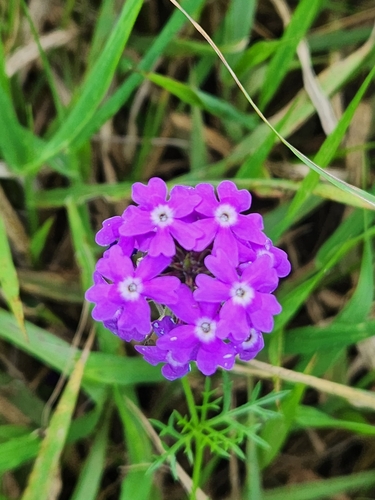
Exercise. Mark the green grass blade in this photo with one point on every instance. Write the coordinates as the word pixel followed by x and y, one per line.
pixel 203 100
pixel 122 94
pixel 94 87
pixel 9 279
pixel 56 353
pixel 300 22
pixel 14 140
pixel 309 339
pixel 136 484
pixel 46 465
pixel 308 417
pixel 324 156
pixel 318 490
pixel 18 450
pixel 88 484
pixel 86 262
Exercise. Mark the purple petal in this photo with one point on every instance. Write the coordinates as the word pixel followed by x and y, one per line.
pixel 104 311
pixel 210 289
pixel 149 267
pixel 260 274
pixel 249 228
pixel 251 347
pixel 221 267
pixel 163 326
pixel 162 243
pixel 209 201
pixel 109 232
pixel 235 321
pixel 136 222
pixel 172 373
pixel 151 354
pixel 181 337
pixel 228 192
pixel 136 315
pixel 116 266
pixel 183 200
pixel 162 289
pixel 186 308
pixel 155 192
pixel 209 228
pixel 227 243
pixel 185 234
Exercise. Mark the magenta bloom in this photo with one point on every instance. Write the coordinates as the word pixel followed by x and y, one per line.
pixel 161 219
pixel 244 306
pixel 128 289
pixel 223 222
pixel 198 259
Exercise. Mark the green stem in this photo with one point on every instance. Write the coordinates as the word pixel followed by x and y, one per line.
pixel 198 458
pixel 197 469
pixel 190 400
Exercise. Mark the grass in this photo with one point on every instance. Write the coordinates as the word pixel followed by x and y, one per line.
pixel 95 97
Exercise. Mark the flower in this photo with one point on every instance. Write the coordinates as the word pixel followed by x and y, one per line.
pixel 203 262
pixel 161 219
pixel 198 338
pixel 223 222
pixel 124 297
pixel 246 299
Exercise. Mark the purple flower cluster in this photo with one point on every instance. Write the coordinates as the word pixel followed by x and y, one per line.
pixel 199 261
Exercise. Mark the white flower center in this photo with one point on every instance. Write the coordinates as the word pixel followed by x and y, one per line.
pixel 130 288
pixel 226 215
pixel 205 329
pixel 242 294
pixel 162 216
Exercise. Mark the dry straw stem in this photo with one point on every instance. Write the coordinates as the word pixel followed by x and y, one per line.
pixel 356 397
pixel 30 52
pixel 183 477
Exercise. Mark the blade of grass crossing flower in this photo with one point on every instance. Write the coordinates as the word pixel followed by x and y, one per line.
pixel 88 484
pixel 46 465
pixel 326 489
pixel 94 87
pixel 136 484
pixel 324 156
pixel 303 17
pixel 9 279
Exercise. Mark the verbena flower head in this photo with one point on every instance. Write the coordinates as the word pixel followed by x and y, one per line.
pixel 203 262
